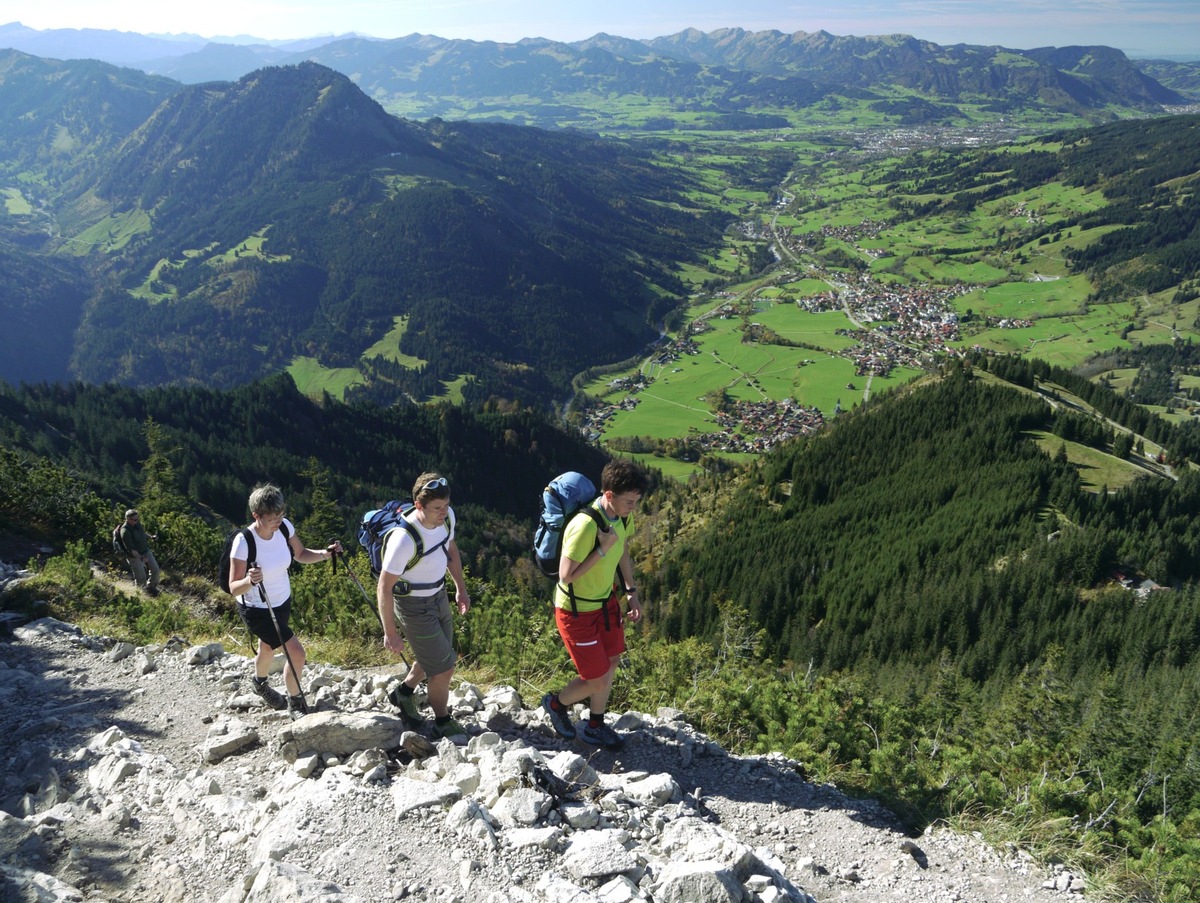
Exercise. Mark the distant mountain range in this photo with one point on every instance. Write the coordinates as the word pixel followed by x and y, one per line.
pixel 549 83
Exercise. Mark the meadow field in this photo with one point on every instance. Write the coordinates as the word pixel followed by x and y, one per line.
pixel 1019 297
pixel 836 222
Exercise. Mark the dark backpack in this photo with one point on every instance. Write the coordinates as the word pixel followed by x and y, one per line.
pixel 377 523
pixel 118 540
pixel 225 566
pixel 567 495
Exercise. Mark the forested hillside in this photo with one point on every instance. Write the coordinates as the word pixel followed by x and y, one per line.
pixel 1069 78
pixel 958 593
pixel 931 526
pixel 1149 238
pixel 242 226
pixel 220 444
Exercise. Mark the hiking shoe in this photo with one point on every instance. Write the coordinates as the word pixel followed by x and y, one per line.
pixel 299 705
pixel 600 736
pixel 270 696
pixel 560 721
pixel 452 731
pixel 407 706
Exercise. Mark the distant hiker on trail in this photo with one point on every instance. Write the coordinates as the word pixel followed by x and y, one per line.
pixel 258 576
pixel 587 606
pixel 412 591
pixel 135 542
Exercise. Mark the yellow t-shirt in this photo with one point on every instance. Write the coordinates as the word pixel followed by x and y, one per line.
pixel 594 588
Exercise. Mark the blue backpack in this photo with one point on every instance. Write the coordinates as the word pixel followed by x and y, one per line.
pixel 568 494
pixel 377 523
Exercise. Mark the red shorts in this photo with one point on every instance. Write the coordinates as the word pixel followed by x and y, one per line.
pixel 591 645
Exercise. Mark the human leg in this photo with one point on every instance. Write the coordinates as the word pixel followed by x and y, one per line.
pixel 152 564
pixel 428 627
pixel 138 568
pixel 594 691
pixel 264 659
pixel 595 643
pixel 294 667
pixel 594 730
pixel 438 688
pixel 262 668
pixel 581 634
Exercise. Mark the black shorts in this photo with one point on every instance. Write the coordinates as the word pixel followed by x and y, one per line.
pixel 258 621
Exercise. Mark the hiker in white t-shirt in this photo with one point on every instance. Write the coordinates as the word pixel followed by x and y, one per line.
pixel 260 578
pixel 411 592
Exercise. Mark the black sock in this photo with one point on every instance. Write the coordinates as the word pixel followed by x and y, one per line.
pixel 259 680
pixel 441 719
pixel 595 720
pixel 406 690
pixel 556 703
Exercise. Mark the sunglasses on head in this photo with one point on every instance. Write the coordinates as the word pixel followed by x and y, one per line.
pixel 436 484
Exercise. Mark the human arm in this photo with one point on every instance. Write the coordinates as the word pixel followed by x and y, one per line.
pixel 242 577
pixel 397 549
pixel 455 570
pixel 311 556
pixel 570 569
pixel 393 640
pixel 625 572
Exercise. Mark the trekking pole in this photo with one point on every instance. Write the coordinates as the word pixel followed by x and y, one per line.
pixel 363 590
pixel 262 593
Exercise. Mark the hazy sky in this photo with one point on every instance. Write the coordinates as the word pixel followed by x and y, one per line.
pixel 1139 27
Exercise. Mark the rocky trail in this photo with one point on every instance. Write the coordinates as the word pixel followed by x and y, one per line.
pixel 154 774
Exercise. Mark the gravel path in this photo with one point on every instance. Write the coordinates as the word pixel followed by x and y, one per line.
pixel 190 830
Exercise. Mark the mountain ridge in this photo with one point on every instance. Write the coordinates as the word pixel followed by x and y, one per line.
pixel 763 58
pixel 291 202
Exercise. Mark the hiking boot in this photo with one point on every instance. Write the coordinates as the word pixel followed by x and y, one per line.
pixel 452 731
pixel 407 704
pixel 270 696
pixel 602 735
pixel 299 705
pixel 560 721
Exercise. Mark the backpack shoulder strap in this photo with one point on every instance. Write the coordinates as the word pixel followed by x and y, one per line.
pixel 251 546
pixel 287 539
pixel 418 541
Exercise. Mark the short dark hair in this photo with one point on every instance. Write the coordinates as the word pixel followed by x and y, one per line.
pixel 423 492
pixel 621 475
pixel 265 499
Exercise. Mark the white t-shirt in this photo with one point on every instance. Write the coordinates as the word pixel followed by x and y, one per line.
pixel 399 548
pixel 274 558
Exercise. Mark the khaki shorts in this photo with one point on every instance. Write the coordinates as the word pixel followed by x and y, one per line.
pixel 428 628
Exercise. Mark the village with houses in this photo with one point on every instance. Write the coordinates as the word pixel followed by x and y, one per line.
pixel 893 326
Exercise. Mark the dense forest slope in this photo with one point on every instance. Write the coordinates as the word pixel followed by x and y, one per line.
pixel 56 117
pixel 286 219
pixel 937 525
pixel 220 444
